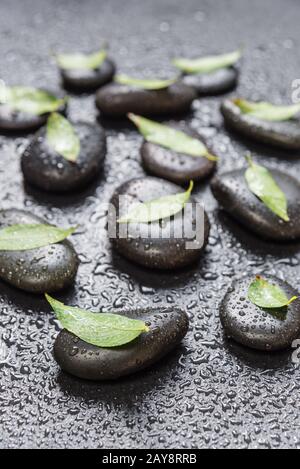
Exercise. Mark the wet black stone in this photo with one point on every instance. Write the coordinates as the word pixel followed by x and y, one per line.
pixel 176 167
pixel 46 269
pixel 167 325
pixel 44 168
pixel 215 83
pixel 118 100
pixel 88 80
pixel 233 194
pixel 17 121
pixel 260 329
pixel 280 134
pixel 160 251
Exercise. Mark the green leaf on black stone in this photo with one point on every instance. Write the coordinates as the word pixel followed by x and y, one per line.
pixel 145 84
pixel 267 111
pixel 208 64
pixel 62 137
pixel 26 237
pixel 29 100
pixel 158 209
pixel 170 138
pixel 261 182
pixel 100 329
pixel 80 61
pixel 267 295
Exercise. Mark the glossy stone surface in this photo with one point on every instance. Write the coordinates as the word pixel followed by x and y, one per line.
pixel 168 326
pixel 88 80
pixel 279 134
pixel 215 83
pixel 41 270
pixel 118 100
pixel 44 168
pixel 234 196
pixel 173 166
pixel 258 328
pixel 158 251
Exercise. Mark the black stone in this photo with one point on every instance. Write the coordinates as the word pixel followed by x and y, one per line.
pixel 46 269
pixel 167 325
pixel 261 329
pixel 17 121
pixel 88 80
pixel 215 83
pixel 233 194
pixel 176 167
pixel 118 100
pixel 284 135
pixel 44 168
pixel 160 251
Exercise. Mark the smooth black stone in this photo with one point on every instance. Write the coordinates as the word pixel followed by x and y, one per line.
pixel 88 80
pixel 284 135
pixel 17 121
pixel 173 166
pixel 44 168
pixel 168 326
pixel 233 194
pixel 258 328
pixel 160 251
pixel 46 269
pixel 215 83
pixel 118 100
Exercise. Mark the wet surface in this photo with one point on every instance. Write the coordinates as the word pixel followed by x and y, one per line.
pixel 208 392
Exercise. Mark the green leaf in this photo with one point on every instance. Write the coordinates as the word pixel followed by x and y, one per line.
pixel 208 64
pixel 81 61
pixel 260 181
pixel 170 138
pixel 27 237
pixel 100 329
pixel 144 83
pixel 267 111
pixel 267 295
pixel 61 136
pixel 30 100
pixel 158 209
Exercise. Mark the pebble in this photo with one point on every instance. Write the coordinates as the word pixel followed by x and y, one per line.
pixel 44 168
pixel 257 328
pixel 234 196
pixel 168 326
pixel 161 250
pixel 41 270
pixel 116 100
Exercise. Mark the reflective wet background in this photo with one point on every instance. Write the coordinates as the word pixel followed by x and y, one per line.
pixel 208 393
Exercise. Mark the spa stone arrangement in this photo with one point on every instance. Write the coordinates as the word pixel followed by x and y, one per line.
pixel 261 312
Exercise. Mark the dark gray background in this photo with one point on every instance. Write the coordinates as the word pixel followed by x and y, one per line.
pixel 208 393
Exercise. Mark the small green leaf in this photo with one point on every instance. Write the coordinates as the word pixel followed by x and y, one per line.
pixel 144 83
pixel 81 61
pixel 267 295
pixel 208 64
pixel 30 100
pixel 100 329
pixel 61 136
pixel 171 138
pixel 267 111
pixel 158 209
pixel 261 182
pixel 27 237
